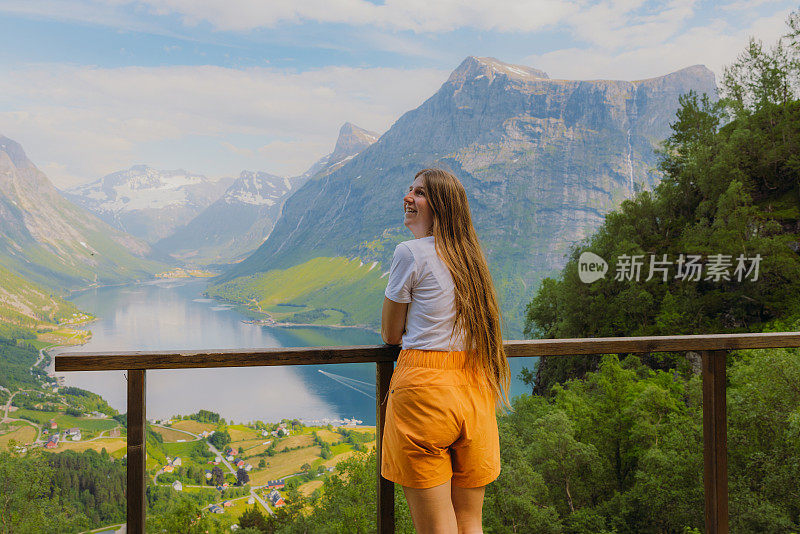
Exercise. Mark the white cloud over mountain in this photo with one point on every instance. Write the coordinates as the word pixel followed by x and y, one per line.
pixel 413 15
pixel 93 120
pixel 714 45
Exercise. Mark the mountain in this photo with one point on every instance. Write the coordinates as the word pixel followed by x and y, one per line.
pixel 52 242
pixel 235 225
pixel 23 303
pixel 350 142
pixel 542 160
pixel 146 202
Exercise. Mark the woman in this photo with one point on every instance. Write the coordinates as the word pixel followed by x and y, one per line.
pixel 440 438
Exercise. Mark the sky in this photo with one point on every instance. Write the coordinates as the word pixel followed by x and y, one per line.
pixel 90 87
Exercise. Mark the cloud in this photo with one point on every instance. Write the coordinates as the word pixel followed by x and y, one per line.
pixel 237 150
pixel 715 45
pixel 611 25
pixel 110 13
pixel 92 121
pixel 242 15
pixel 413 15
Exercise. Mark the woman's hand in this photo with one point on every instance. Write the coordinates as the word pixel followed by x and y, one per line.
pixel 393 321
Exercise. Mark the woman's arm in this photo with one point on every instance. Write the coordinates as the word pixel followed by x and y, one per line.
pixel 393 321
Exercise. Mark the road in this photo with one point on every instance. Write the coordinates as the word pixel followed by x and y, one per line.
pixel 7 419
pixel 227 464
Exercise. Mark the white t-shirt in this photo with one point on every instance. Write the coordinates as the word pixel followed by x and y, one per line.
pixel 420 277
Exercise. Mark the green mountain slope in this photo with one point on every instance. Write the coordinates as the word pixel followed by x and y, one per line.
pixel 320 291
pixel 26 304
pixel 52 242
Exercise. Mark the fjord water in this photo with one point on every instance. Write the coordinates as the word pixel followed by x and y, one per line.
pixel 173 315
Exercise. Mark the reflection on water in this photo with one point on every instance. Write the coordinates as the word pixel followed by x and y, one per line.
pixel 172 315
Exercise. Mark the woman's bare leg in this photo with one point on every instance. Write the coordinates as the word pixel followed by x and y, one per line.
pixel 468 507
pixel 432 509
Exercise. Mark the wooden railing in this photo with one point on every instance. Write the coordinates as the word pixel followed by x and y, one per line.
pixel 712 347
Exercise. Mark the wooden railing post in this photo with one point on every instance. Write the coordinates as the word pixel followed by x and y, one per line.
pixel 383 377
pixel 715 442
pixel 137 510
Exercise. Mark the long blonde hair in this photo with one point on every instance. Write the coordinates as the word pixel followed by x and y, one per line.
pixel 477 311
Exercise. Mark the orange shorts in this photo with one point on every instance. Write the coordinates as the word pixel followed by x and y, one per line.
pixel 440 423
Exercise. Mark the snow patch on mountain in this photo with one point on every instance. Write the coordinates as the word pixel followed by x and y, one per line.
pixel 142 188
pixel 257 189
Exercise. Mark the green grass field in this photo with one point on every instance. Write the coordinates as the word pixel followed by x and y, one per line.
pixel 171 435
pixel 116 447
pixel 21 433
pixel 340 448
pixel 311 287
pixel 67 421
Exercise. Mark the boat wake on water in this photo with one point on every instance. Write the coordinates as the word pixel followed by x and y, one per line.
pixel 351 383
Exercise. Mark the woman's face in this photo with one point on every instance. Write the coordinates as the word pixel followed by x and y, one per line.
pixel 418 214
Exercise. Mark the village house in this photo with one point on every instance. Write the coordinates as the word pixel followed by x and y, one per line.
pixel 275 498
pixel 177 461
pixel 279 484
pixel 52 442
pixel 227 504
pixel 251 500
pixel 168 469
pixel 248 467
pixel 240 463
pixel 215 509
pixel 177 486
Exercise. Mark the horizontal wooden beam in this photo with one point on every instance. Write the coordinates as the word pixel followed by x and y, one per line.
pixel 189 359
pixel 186 359
pixel 617 345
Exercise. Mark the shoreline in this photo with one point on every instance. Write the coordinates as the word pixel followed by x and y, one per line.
pixel 269 321
pixel 272 322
